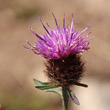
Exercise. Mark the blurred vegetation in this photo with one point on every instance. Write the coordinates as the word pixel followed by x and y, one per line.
pixel 24 101
pixel 22 10
pixel 25 12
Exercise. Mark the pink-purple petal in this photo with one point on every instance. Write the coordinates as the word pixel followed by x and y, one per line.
pixel 60 42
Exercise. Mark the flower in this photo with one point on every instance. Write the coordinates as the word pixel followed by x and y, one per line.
pixel 60 42
pixel 63 48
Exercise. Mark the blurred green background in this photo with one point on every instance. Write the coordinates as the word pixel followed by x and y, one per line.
pixel 19 66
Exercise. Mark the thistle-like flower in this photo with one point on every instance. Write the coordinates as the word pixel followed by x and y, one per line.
pixel 63 48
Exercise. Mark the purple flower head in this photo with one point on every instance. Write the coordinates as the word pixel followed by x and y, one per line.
pixel 60 42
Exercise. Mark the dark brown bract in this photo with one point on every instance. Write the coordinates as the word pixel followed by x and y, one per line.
pixel 66 71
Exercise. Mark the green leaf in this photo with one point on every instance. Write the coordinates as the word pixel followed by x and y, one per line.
pixel 48 87
pixel 46 84
pixel 73 97
pixel 57 90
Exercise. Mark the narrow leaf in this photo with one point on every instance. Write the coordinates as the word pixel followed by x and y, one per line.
pixel 48 87
pixel 46 84
pixel 57 90
pixel 73 97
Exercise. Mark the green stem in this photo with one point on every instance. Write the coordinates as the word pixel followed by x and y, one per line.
pixel 64 98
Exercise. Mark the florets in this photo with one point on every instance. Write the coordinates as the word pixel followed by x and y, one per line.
pixel 60 42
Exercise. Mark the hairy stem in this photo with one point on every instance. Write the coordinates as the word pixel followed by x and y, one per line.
pixel 64 98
